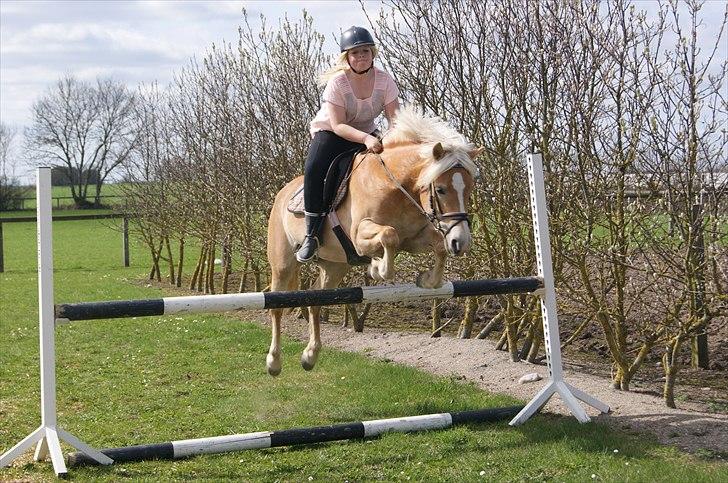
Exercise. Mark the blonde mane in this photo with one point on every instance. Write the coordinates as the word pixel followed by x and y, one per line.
pixel 412 126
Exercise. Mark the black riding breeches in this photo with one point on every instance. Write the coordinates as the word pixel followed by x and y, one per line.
pixel 324 149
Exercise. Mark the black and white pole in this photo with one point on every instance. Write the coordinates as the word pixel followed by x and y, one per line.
pixel 290 437
pixel 46 437
pixel 298 298
pixel 552 340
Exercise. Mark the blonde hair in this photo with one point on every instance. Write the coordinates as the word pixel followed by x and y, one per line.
pixel 341 64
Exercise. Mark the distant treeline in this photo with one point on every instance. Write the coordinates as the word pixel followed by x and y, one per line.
pixel 65 176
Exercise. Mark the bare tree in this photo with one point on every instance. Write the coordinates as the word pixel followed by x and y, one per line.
pixel 7 136
pixel 84 128
pixel 688 126
pixel 588 85
pixel 10 192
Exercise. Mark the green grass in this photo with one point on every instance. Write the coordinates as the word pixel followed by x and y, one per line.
pixel 56 212
pixel 135 381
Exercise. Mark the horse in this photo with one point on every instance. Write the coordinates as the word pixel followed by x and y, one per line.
pixel 412 197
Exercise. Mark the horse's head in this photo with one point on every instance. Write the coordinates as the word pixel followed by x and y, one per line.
pixel 448 196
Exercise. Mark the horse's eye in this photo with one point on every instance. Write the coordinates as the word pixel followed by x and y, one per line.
pixel 440 190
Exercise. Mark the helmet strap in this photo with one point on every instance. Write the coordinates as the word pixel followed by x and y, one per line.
pixel 363 71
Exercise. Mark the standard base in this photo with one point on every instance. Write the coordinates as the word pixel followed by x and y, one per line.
pixel 569 394
pixel 47 439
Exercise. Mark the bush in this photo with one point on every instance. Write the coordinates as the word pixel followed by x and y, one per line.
pixel 11 194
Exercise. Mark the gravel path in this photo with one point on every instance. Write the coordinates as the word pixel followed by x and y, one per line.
pixel 478 361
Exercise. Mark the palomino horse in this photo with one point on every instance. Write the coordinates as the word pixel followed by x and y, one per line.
pixel 413 197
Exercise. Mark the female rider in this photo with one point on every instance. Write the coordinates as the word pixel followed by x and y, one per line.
pixel 356 93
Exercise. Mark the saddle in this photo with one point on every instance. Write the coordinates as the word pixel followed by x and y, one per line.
pixel 333 185
pixel 336 187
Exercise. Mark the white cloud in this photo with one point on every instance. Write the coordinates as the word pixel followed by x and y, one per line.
pixel 135 41
pixel 85 37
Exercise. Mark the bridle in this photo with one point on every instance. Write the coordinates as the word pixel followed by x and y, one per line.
pixel 435 215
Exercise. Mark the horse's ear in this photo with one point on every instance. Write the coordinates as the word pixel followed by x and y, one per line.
pixel 474 153
pixel 438 151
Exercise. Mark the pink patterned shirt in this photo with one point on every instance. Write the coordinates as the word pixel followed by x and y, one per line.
pixel 360 113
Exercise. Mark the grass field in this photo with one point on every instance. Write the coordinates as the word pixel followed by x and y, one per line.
pixel 110 194
pixel 135 381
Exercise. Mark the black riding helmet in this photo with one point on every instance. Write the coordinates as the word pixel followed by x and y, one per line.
pixel 355 37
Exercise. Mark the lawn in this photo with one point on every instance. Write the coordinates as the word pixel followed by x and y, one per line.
pixel 111 194
pixel 147 380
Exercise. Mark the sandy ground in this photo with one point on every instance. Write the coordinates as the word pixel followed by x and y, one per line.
pixel 477 361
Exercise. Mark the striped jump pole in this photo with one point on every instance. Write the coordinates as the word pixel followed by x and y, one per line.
pixel 115 309
pixel 291 437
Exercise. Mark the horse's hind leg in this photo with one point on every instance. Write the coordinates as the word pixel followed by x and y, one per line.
pixel 284 276
pixel 273 359
pixel 330 276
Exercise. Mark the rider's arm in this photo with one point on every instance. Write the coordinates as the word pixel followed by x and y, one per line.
pixel 390 112
pixel 337 116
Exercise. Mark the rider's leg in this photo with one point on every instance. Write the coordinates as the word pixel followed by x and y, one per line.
pixel 324 149
pixel 309 247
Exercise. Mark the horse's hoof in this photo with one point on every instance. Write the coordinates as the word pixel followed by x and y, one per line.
pixel 373 272
pixel 388 276
pixel 424 280
pixel 273 365
pixel 308 360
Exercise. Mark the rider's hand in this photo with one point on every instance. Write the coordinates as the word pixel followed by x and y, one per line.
pixel 373 144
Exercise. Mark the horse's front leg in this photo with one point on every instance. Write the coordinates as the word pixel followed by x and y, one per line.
pixel 433 277
pixel 370 237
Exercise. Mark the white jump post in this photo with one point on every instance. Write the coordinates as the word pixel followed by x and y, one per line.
pixel 552 341
pixel 46 437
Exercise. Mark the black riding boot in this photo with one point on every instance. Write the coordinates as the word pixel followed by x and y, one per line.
pixel 310 245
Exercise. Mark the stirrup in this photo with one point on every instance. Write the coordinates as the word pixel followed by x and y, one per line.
pixel 308 239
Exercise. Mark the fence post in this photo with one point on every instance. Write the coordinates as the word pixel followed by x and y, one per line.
pixel 125 240
pixel 2 259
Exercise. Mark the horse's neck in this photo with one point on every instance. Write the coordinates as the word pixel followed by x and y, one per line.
pixel 405 169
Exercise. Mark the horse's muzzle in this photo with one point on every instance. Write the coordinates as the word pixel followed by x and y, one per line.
pixel 455 248
pixel 457 242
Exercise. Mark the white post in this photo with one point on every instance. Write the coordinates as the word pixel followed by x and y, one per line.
pixel 552 341
pixel 47 435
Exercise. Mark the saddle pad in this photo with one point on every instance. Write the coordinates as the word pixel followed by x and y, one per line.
pixel 295 204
